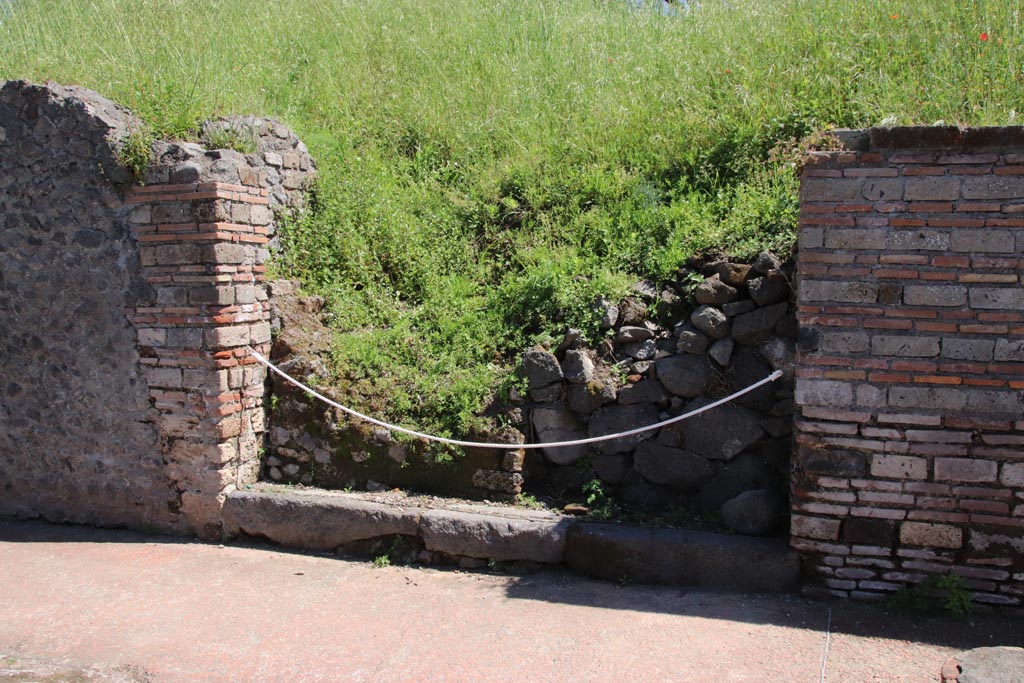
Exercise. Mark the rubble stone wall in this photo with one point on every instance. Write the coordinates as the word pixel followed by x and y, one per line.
pixel 662 352
pixel 909 454
pixel 128 397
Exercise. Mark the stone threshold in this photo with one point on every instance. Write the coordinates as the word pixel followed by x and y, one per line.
pixel 321 520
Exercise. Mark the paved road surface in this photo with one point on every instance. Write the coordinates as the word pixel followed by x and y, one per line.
pixel 166 610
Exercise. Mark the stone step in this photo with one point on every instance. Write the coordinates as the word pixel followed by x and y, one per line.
pixel 682 557
pixel 312 519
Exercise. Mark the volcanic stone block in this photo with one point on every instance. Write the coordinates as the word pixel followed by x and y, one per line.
pixel 714 291
pixel 757 326
pixel 674 556
pixel 320 521
pixel 558 424
pixel 754 513
pixel 673 467
pixel 615 418
pixel 534 537
pixel 541 368
pixel 685 376
pixel 710 321
pixel 720 433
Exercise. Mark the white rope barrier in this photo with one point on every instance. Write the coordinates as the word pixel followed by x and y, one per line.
pixel 824 655
pixel 476 444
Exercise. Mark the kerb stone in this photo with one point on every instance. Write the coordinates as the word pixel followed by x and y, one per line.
pixel 674 556
pixel 322 521
pixel 535 538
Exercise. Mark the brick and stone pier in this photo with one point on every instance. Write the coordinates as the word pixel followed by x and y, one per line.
pixel 127 395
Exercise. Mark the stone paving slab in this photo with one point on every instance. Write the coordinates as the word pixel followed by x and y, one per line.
pixel 986 665
pixel 24 670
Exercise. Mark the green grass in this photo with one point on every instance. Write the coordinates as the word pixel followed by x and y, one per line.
pixel 488 167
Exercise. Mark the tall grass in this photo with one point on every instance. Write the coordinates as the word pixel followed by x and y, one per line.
pixel 489 167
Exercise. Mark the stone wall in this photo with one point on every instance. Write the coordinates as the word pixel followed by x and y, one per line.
pixel 77 437
pixel 909 457
pixel 654 362
pixel 128 397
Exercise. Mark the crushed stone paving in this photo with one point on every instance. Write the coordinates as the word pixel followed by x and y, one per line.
pixel 134 607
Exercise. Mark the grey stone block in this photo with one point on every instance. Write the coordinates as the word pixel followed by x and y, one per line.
pixel 988 402
pixel 830 189
pixel 720 433
pixel 812 238
pixel 173 254
pixel 577 367
pixel 532 537
pixel 766 262
pixel 758 512
pixel 738 308
pixel 823 392
pixel 932 188
pixel 212 295
pixel 615 418
pixel 983 241
pixel 769 289
pixel 993 187
pixel 674 467
pixel 997 298
pixel 855 238
pixel 315 521
pixel 690 339
pixel 934 295
pixel 721 351
pixel 958 348
pixel 919 240
pixel 1002 664
pixel 870 396
pixel 845 342
pixel 710 321
pixel 686 375
pixel 882 189
pixel 541 368
pixel 557 423
pixel 644 391
pixel 714 291
pixel 1011 350
pixel 933 398
pixel 838 292
pixel 586 398
pixel 672 556
pixel 759 325
pixel 904 346
pixel 630 333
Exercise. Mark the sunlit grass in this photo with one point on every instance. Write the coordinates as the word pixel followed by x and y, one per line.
pixel 487 167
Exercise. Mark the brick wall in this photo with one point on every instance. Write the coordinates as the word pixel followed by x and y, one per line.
pixel 909 453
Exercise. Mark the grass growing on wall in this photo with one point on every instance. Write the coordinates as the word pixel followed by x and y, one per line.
pixel 487 168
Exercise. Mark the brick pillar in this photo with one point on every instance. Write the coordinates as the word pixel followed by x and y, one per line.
pixel 203 247
pixel 910 437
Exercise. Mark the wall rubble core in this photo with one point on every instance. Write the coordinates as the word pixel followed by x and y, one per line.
pixel 909 455
pixel 140 408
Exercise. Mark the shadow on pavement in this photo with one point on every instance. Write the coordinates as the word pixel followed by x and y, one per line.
pixel 555 586
pixel 789 610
